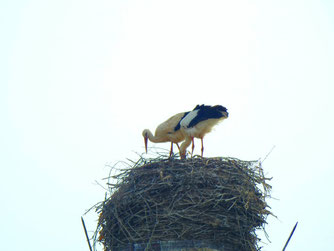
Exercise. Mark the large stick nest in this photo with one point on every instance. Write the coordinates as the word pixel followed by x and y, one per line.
pixel 221 200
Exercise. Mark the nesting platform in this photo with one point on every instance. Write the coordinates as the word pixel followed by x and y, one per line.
pixel 220 201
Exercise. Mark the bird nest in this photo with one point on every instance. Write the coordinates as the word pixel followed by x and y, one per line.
pixel 220 200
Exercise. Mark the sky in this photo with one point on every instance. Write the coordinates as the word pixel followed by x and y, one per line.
pixel 80 80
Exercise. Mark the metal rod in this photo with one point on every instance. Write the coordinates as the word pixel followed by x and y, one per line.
pixel 83 224
pixel 293 230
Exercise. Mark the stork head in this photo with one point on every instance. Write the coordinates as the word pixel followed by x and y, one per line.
pixel 145 133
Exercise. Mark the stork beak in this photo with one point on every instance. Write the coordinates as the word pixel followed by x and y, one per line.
pixel 145 140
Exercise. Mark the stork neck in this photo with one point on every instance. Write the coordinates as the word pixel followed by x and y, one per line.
pixel 153 138
pixel 184 146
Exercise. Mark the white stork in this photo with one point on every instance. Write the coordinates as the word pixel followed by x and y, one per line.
pixel 168 131
pixel 199 122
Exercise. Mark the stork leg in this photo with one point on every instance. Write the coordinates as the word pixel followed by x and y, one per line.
pixel 171 149
pixel 181 156
pixel 202 149
pixel 179 149
pixel 192 146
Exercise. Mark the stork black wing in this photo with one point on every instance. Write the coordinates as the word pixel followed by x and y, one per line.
pixel 178 126
pixel 206 112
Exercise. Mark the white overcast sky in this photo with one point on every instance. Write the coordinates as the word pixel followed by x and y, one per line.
pixel 80 80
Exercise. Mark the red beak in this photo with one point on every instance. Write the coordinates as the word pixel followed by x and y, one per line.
pixel 145 140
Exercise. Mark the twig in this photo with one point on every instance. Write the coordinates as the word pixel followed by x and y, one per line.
pixel 268 153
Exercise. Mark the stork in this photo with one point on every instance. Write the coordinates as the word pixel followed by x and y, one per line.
pixel 167 132
pixel 199 122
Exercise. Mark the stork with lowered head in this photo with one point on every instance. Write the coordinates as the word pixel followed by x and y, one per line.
pixel 167 132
